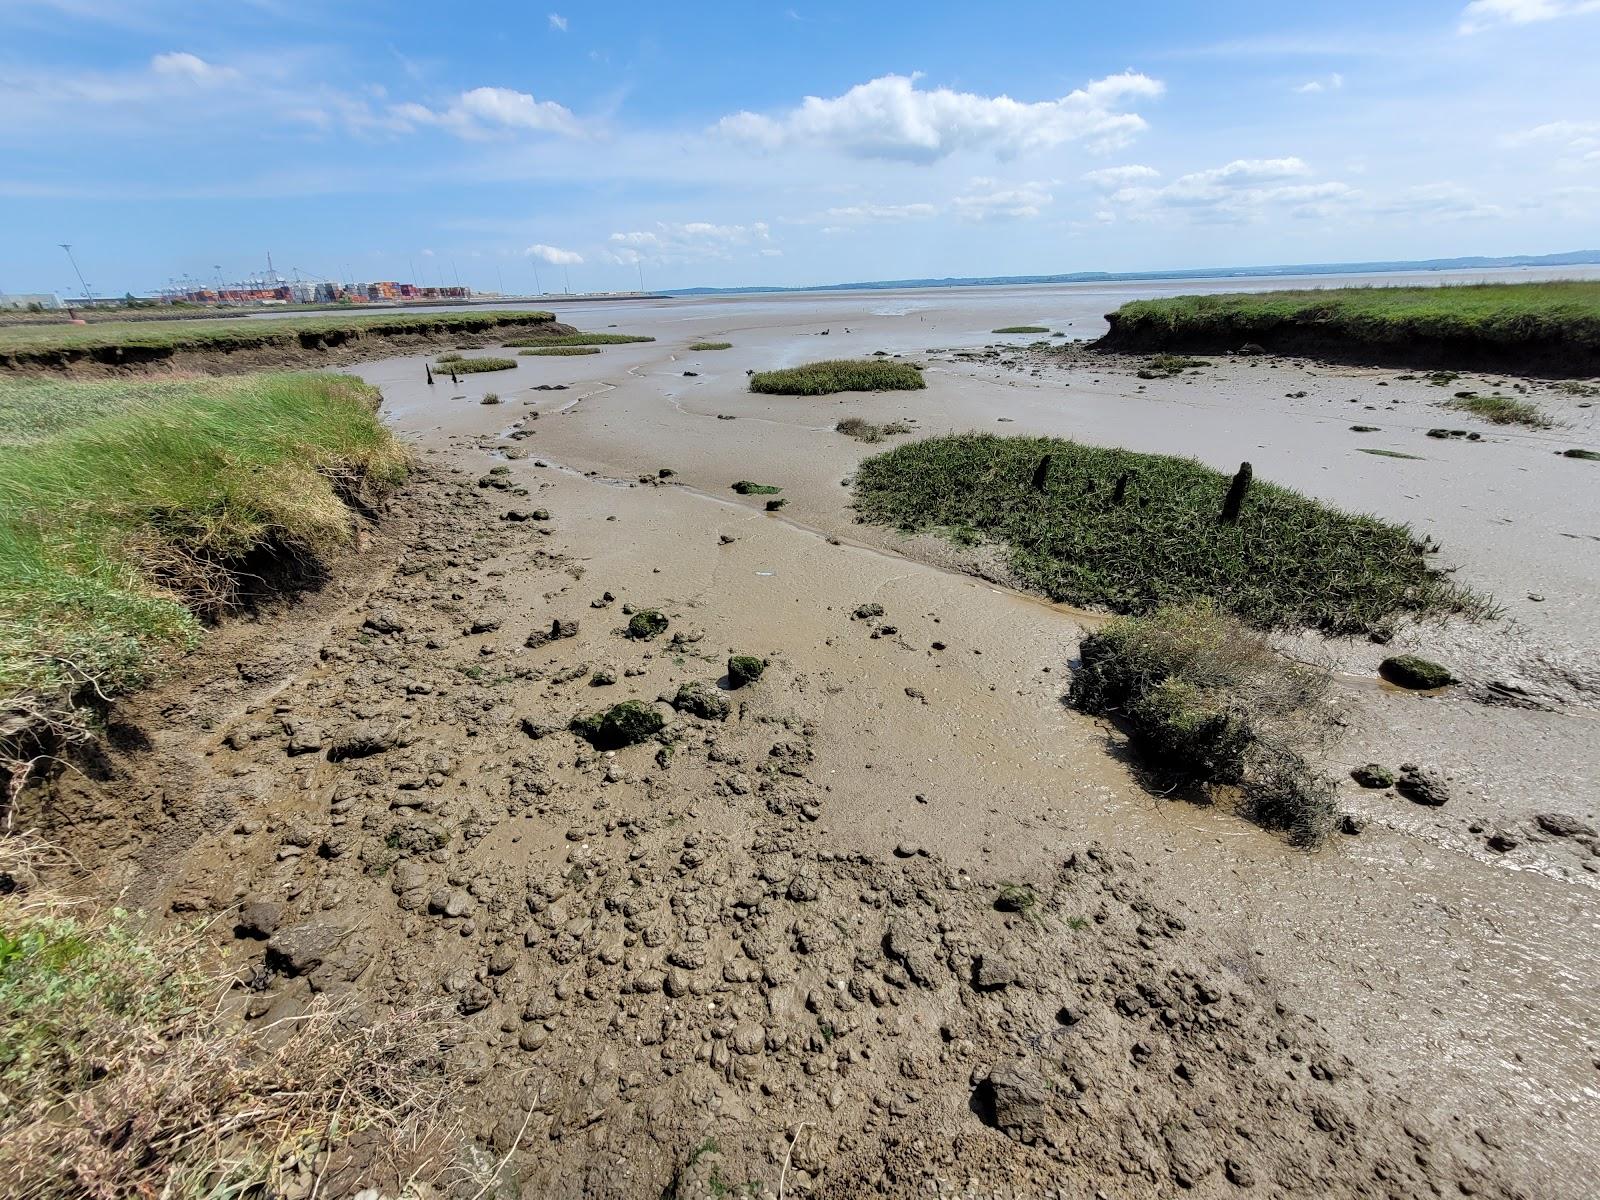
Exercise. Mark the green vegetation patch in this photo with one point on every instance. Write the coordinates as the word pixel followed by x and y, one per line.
pixel 113 341
pixel 1561 320
pixel 476 366
pixel 1590 455
pixel 1501 410
pixel 581 339
pixel 1206 698
pixel 1132 532
pixel 838 375
pixel 711 346
pixel 559 351
pixel 127 508
pixel 746 488
pixel 865 431
pixel 1411 671
pixel 744 669
pixel 646 624
pixel 1022 329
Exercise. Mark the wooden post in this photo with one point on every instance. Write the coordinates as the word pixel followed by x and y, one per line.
pixel 429 370
pixel 1236 493
pixel 1041 474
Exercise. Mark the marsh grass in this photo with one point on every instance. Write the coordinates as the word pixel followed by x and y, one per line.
pixel 711 345
pixel 1022 329
pixel 1388 453
pixel 558 351
pixel 127 508
pixel 581 339
pixel 1288 560
pixel 232 334
pixel 475 366
pixel 838 375
pixel 1207 699
pixel 865 431
pixel 1493 318
pixel 1501 410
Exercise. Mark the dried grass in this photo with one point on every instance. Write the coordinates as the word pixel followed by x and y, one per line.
pixel 124 1074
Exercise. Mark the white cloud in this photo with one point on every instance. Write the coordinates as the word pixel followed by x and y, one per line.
pixel 992 202
pixel 1440 201
pixel 558 22
pixel 862 214
pixel 1486 14
pixel 1579 138
pixel 1242 190
pixel 1118 177
pixel 485 111
pixel 891 118
pixel 554 255
pixel 1328 83
pixel 691 241
pixel 180 65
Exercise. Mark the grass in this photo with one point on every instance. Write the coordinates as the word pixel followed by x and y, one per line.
pixel 1022 329
pixel 127 508
pixel 108 341
pixel 1287 561
pixel 865 431
pixel 581 339
pixel 1501 410
pixel 122 1072
pixel 1207 699
pixel 1590 455
pixel 1551 324
pixel 559 351
pixel 711 346
pixel 746 488
pixel 838 375
pixel 475 366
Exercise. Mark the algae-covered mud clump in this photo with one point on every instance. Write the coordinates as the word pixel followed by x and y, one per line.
pixel 744 669
pixel 646 624
pixel 624 724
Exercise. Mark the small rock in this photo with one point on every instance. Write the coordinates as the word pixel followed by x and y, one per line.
pixel 1422 785
pixel 1016 1104
pixel 1373 775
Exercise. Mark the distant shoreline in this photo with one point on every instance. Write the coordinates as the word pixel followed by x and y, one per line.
pixel 1571 258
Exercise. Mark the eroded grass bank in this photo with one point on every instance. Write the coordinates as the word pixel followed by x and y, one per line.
pixel 838 375
pixel 128 511
pixel 1542 328
pixel 1131 532
pixel 131 343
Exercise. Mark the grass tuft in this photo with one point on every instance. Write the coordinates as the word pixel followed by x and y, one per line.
pixel 559 351
pixel 1206 698
pixel 865 431
pixel 476 366
pixel 1501 410
pixel 1132 532
pixel 1022 329
pixel 711 346
pixel 838 375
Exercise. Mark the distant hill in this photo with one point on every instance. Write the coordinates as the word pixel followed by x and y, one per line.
pixel 1568 259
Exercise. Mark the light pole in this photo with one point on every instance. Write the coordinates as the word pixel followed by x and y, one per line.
pixel 67 246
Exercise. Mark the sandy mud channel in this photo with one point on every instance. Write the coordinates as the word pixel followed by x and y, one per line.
pixel 1465 975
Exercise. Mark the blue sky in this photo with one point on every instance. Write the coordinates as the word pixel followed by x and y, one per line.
pixel 745 143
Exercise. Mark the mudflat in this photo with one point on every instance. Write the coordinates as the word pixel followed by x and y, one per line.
pixel 892 918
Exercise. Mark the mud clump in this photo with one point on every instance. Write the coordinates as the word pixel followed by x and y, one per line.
pixel 1422 785
pixel 1373 775
pixel 1418 674
pixel 699 700
pixel 647 623
pixel 744 669
pixel 625 724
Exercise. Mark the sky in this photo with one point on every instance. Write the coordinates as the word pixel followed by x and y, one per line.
pixel 598 146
